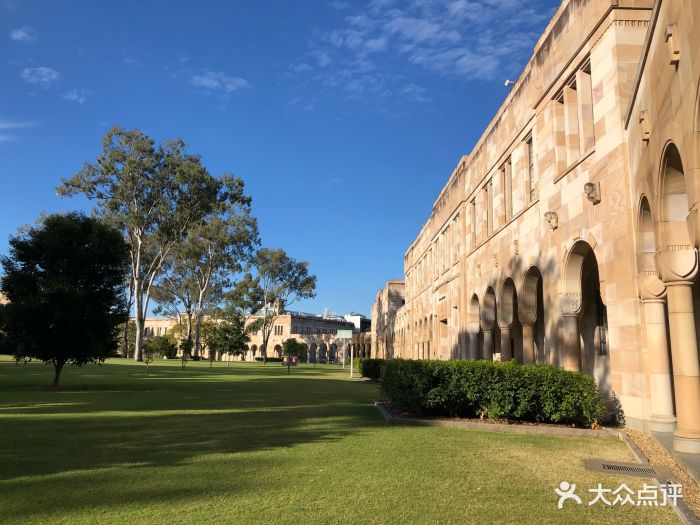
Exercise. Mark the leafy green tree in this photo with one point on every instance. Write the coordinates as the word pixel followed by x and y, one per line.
pixel 153 194
pixel 228 338
pixel 291 347
pixel 215 248
pixel 158 346
pixel 282 280
pixel 64 282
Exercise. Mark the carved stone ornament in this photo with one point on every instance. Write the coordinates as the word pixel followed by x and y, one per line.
pixel 592 191
pixel 552 219
pixel 570 303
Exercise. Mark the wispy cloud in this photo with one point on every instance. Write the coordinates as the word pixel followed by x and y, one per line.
pixel 218 81
pixel 23 34
pixel 76 95
pixel 381 46
pixel 8 129
pixel 44 77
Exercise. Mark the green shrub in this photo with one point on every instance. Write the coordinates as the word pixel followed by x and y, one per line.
pixel 371 368
pixel 538 393
pixel 161 346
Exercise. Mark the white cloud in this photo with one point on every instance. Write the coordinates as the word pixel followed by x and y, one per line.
pixel 380 44
pixel 23 34
pixel 76 95
pixel 8 127
pixel 44 77
pixel 218 81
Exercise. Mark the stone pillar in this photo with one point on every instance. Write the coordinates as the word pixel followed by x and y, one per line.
pixel 662 418
pixel 474 351
pixel 488 345
pixel 678 266
pixel 505 344
pixel 569 332
pixel 686 369
pixel 528 343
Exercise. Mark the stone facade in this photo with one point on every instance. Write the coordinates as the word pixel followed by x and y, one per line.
pixel 316 332
pixel 570 233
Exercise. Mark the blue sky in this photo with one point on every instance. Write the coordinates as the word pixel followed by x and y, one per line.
pixel 344 118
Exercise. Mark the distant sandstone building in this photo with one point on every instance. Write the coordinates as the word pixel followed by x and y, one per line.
pixel 570 234
pixel 318 334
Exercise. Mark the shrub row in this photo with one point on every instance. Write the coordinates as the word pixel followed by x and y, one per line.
pixel 537 393
pixel 371 368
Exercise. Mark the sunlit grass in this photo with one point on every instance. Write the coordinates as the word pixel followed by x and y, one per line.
pixel 250 444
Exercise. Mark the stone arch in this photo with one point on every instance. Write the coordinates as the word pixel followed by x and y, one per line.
pixel 583 326
pixel 531 316
pixel 313 353
pixel 489 327
pixel 647 238
pixel 426 339
pixel 322 353
pixel 673 203
pixel 474 327
pixel 278 351
pixel 511 333
pixel 254 350
pixel 304 352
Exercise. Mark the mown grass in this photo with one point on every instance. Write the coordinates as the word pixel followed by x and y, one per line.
pixel 250 444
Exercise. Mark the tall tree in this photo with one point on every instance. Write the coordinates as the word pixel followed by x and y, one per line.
pixel 64 281
pixel 282 281
pixel 215 248
pixel 153 194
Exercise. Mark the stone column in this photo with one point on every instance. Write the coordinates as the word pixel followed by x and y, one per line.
pixel 569 332
pixel 678 266
pixel 488 345
pixel 686 370
pixel 570 341
pixel 505 344
pixel 662 418
pixel 528 343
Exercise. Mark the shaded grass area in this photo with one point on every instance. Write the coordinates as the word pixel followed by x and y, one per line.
pixel 250 444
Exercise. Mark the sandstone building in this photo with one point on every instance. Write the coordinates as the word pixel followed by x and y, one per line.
pixel 570 234
pixel 316 332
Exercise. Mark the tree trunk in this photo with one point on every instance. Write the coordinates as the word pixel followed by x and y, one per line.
pixel 57 368
pixel 140 321
pixel 197 332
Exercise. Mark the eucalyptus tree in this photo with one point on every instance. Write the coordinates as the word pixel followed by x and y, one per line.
pixel 215 249
pixel 282 281
pixel 153 193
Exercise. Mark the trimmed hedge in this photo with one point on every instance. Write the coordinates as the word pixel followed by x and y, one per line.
pixel 470 389
pixel 371 368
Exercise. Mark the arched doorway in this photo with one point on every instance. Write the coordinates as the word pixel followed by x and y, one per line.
pixel 511 333
pixel 474 322
pixel 278 351
pixel 312 353
pixel 253 351
pixel 304 352
pixel 322 353
pixel 531 315
pixel 584 328
pixel 491 345
pixel 333 353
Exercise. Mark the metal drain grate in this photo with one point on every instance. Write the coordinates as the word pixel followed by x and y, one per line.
pixel 628 469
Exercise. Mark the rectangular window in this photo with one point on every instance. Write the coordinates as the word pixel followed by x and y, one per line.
pixel 573 118
pixel 472 218
pixel 532 189
pixel 489 208
pixel 507 187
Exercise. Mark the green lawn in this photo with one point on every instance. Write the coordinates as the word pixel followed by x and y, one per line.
pixel 249 444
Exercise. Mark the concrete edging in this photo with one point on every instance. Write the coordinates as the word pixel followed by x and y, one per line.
pixel 536 430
